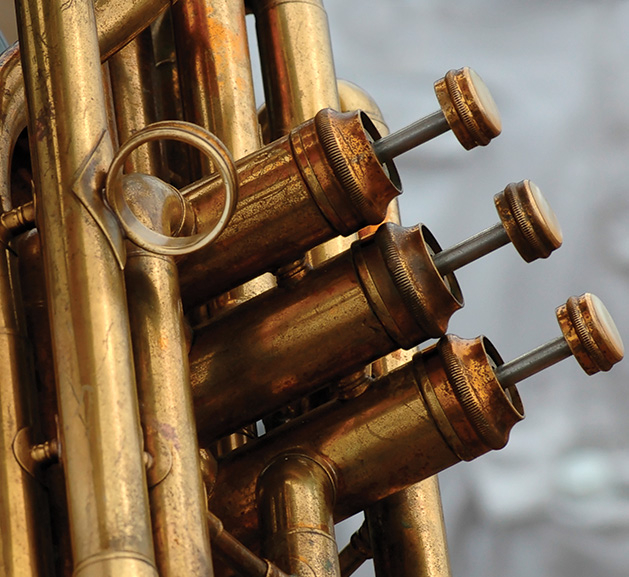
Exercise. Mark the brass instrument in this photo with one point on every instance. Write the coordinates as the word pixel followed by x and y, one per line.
pixel 144 336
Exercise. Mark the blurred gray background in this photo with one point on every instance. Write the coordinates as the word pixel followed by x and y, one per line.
pixel 555 501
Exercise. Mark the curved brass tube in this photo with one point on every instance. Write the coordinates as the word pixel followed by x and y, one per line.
pixel 295 502
pixel 118 21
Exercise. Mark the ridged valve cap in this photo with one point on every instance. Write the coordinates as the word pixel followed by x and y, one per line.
pixel 528 220
pixel 590 333
pixel 468 107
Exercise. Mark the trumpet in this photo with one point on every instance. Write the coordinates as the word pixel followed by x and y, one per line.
pixel 211 313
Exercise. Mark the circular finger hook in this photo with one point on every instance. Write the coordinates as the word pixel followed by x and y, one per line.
pixel 187 133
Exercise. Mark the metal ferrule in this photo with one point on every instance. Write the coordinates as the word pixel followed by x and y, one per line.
pixel 461 380
pixel 411 299
pixel 291 198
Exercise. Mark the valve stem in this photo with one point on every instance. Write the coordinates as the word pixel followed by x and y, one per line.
pixel 589 334
pixel 467 108
pixel 526 220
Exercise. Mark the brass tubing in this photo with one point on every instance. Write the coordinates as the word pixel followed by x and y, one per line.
pixel 381 295
pixel 117 21
pixel 236 555
pixel 356 552
pixel 296 58
pixel 217 89
pixel 407 533
pixel 24 526
pixel 295 502
pixel 178 499
pixel 98 412
pixel 33 285
pixel 131 73
pixel 215 69
pixel 406 427
pixel 291 198
pixel 176 491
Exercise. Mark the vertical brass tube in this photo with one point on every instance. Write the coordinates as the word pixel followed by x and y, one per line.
pixel 178 500
pixel 117 22
pixel 295 503
pixel 176 490
pixel 24 528
pixel 98 412
pixel 215 69
pixel 131 73
pixel 33 285
pixel 217 89
pixel 299 76
pixel 218 94
pixel 407 533
pixel 297 64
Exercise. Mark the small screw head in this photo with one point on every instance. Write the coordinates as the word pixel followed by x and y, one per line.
pixel 590 333
pixel 468 107
pixel 528 220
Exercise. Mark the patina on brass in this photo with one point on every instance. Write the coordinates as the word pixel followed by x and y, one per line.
pixel 406 427
pixel 320 181
pixel 98 412
pixel 295 503
pixel 25 533
pixel 454 401
pixel 178 499
pixel 381 295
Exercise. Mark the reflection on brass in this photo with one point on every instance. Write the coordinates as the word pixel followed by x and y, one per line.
pixel 418 409
pixel 321 180
pixel 381 295
pixel 295 503
pixel 104 376
pixel 98 412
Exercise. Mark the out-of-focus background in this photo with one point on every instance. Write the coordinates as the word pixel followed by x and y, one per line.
pixel 555 501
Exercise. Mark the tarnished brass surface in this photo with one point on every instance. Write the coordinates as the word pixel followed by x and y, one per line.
pixel 98 412
pixel 295 504
pixel 178 501
pixel 528 220
pixel 381 295
pixel 407 533
pixel 236 555
pixel 294 193
pixel 428 421
pixel 25 534
pixel 297 64
pixel 590 333
pixel 176 491
pixel 468 107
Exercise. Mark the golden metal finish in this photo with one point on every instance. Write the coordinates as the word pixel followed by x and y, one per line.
pixel 104 376
pixel 468 107
pixel 294 193
pixel 146 237
pixel 529 221
pixel 99 425
pixel 416 409
pixel 407 532
pixel 590 333
pixel 295 504
pixel 381 295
